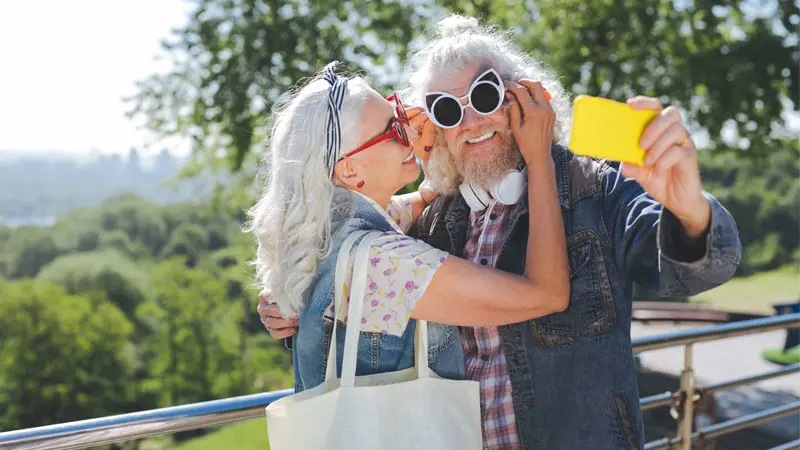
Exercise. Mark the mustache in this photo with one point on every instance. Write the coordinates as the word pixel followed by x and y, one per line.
pixel 462 138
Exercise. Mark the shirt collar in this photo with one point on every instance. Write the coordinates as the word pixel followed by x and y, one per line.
pixel 477 218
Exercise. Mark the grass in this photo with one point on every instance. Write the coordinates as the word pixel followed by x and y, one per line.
pixel 756 293
pixel 246 435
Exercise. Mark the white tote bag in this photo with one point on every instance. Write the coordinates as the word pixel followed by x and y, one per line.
pixel 404 410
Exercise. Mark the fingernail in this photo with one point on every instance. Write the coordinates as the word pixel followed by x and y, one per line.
pixel 547 95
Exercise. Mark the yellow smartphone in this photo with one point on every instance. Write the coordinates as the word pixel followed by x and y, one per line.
pixel 607 129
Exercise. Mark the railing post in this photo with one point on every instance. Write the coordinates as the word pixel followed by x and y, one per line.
pixel 687 394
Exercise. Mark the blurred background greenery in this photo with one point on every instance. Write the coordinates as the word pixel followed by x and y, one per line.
pixel 134 296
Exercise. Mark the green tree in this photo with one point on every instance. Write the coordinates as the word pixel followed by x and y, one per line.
pixel 63 357
pixel 188 240
pixel 5 232
pixel 730 64
pixel 30 249
pixel 119 241
pixel 764 199
pixel 236 57
pixel 107 272
pixel 139 218
pixel 77 230
pixel 192 347
pixel 183 212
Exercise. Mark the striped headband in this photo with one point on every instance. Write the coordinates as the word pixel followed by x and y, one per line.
pixel 334 129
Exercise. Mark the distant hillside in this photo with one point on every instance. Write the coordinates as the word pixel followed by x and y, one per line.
pixel 38 188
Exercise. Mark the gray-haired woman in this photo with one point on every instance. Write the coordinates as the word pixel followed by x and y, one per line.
pixel 338 153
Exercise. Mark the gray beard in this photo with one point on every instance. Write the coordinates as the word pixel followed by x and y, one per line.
pixel 506 157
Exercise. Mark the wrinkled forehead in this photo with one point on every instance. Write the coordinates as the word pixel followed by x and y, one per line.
pixel 457 81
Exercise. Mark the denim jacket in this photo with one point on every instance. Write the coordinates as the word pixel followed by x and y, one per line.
pixel 572 373
pixel 377 353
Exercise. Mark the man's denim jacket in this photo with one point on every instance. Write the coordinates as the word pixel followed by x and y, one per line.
pixel 572 373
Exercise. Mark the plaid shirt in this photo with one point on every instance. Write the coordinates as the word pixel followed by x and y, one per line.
pixel 483 351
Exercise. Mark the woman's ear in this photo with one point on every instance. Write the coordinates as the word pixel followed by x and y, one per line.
pixel 347 173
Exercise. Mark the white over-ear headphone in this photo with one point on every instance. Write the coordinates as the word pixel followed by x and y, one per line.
pixel 506 191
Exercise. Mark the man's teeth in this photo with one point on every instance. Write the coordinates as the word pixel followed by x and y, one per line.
pixel 409 157
pixel 481 138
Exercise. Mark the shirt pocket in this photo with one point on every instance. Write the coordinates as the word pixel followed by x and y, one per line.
pixel 591 303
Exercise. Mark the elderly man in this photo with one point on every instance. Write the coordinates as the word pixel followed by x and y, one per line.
pixel 566 381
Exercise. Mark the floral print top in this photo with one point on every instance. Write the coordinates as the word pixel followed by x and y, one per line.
pixel 400 270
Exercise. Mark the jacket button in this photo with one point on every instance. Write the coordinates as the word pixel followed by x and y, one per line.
pixel 492 216
pixel 484 261
pixel 484 357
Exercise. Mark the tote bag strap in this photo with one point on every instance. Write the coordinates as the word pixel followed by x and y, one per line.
pixel 355 311
pixel 339 280
pixel 421 349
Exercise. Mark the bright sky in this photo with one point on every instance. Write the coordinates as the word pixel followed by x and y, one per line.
pixel 65 66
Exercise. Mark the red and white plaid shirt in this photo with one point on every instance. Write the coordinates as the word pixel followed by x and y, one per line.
pixel 483 351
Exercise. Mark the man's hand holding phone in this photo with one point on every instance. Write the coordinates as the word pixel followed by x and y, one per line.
pixel 656 149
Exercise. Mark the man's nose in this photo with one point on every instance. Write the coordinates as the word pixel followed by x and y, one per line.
pixel 471 117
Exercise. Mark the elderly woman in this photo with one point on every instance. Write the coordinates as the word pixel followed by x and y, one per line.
pixel 338 153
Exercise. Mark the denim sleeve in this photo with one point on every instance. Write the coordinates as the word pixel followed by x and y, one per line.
pixel 648 247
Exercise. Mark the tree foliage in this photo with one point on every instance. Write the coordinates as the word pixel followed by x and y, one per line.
pixel 141 220
pixel 234 58
pixel 192 341
pixel 188 240
pixel 727 63
pixel 730 64
pixel 62 358
pixel 764 199
pixel 27 250
pixel 182 334
pixel 108 272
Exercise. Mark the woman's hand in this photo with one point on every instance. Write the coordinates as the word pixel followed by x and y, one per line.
pixel 532 119
pixel 278 325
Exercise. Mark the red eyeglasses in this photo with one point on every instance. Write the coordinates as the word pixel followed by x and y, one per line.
pixel 396 127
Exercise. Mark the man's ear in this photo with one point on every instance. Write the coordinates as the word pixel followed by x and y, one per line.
pixel 347 173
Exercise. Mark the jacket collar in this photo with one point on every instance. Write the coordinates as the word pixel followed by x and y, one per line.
pixel 350 204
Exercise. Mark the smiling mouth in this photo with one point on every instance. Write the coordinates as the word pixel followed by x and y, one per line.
pixel 409 158
pixel 481 138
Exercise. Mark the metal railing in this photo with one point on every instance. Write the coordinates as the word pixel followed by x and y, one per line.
pixel 126 427
pixel 683 402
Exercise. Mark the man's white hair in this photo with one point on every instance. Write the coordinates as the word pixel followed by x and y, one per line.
pixel 292 218
pixel 458 43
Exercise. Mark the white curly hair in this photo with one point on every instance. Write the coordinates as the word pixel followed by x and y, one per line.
pixel 459 42
pixel 292 218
